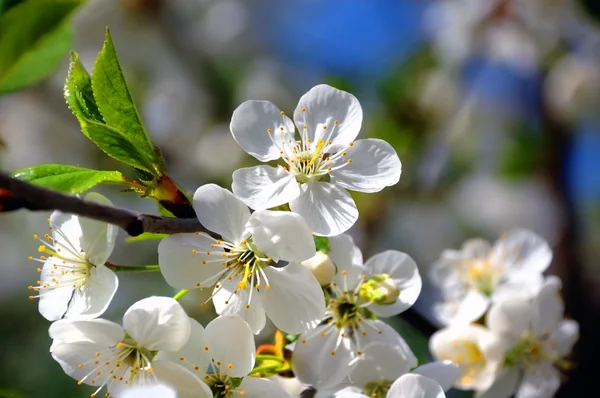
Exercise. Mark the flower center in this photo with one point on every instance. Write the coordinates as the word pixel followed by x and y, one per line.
pixel 377 389
pixel 124 362
pixel 379 289
pixel 467 355
pixel 64 266
pixel 221 385
pixel 526 352
pixel 481 275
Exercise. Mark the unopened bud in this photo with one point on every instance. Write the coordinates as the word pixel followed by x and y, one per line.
pixel 380 289
pixel 322 267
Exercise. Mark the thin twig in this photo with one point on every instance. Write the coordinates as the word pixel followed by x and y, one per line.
pixel 16 194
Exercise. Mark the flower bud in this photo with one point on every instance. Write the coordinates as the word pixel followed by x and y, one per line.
pixel 322 267
pixel 380 289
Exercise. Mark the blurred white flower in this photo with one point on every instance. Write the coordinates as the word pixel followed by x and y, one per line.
pixel 101 353
pixel 74 281
pixel 536 337
pixel 322 355
pixel 479 273
pixel 328 121
pixel 240 265
pixel 476 350
pixel 209 151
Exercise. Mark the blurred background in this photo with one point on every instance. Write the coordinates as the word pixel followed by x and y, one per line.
pixel 492 106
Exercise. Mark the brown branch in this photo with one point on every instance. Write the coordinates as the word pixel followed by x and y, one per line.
pixel 16 194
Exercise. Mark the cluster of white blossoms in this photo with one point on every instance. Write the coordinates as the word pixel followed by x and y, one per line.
pixel 266 263
pixel 505 325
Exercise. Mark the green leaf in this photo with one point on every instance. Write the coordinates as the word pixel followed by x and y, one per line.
pixel 116 105
pixel 78 91
pixel 115 144
pixel 34 38
pixel 145 236
pixel 69 179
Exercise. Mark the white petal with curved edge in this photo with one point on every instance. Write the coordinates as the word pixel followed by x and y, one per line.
pixel 565 337
pixel 71 355
pixel 249 124
pixel 348 277
pixel 295 301
pixel 348 392
pixel 504 386
pixel 281 235
pixel 379 362
pixel 444 373
pixel 323 105
pixel 178 376
pixel 540 381
pixel 193 352
pixel 181 257
pixel 98 238
pixel 510 319
pixel 157 323
pixel 218 210
pixel 66 234
pixel 327 209
pixel 529 251
pixel 230 342
pixel 548 308
pixel 469 309
pixel 524 286
pixel 151 391
pixel 254 387
pixel 403 270
pixel 93 298
pixel 313 363
pixel 476 248
pixel 375 165
pixel 379 331
pixel 263 187
pixel 415 386
pixel 341 249
pixel 93 331
pixel 227 303
pixel 54 303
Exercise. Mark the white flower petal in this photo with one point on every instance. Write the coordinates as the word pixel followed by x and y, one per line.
pixel 564 337
pixel 380 332
pixel 313 363
pixel 444 373
pixel 323 105
pixel 375 165
pixel 53 303
pixel 66 233
pixel 510 319
pixel 193 352
pixel 157 323
pixel 249 124
pixel 254 387
pixel 150 391
pixel 231 343
pixel 295 301
pixel 469 309
pixel 476 249
pixel 218 210
pixel 548 309
pixel 327 209
pixel 93 331
pixel 227 303
pixel 282 235
pixel 181 258
pixel 93 298
pixel 403 270
pixel 263 187
pixel 98 238
pixel 524 286
pixel 415 386
pixel 539 381
pixel 530 252
pixel 348 392
pixel 379 362
pixel 179 377
pixel 348 277
pixel 341 250
pixel 504 386
pixel 71 355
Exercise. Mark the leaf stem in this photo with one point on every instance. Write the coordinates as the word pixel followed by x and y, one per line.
pixel 133 268
pixel 181 293
pixel 267 368
pixel 261 357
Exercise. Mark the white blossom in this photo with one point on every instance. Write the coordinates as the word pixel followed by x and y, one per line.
pixel 480 273
pixel 328 121
pixel 101 353
pixel 322 355
pixel 476 350
pixel 240 265
pixel 74 280
pixel 536 338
